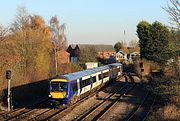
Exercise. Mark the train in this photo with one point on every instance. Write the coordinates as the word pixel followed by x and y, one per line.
pixel 69 88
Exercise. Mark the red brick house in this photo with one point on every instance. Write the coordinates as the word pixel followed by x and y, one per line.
pixel 103 51
pixel 106 54
pixel 63 56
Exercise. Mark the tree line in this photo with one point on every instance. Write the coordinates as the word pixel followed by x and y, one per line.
pixel 160 43
pixel 27 47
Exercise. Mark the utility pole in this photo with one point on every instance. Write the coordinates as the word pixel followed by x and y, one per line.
pixel 56 62
pixel 9 98
pixel 124 41
pixel 55 57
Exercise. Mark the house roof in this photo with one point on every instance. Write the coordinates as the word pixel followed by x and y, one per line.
pixel 98 47
pixel 121 52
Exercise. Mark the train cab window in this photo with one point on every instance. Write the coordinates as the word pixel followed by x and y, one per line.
pixel 94 79
pixel 58 86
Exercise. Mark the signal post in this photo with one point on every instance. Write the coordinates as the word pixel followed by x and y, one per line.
pixel 8 77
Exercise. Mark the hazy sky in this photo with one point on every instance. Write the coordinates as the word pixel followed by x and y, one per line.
pixel 92 21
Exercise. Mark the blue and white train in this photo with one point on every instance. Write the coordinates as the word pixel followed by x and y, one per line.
pixel 69 88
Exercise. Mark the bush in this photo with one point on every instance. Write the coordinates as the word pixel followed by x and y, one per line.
pixel 77 67
pixel 167 90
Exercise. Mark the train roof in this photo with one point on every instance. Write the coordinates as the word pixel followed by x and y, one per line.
pixel 77 75
pixel 115 64
pixel 101 68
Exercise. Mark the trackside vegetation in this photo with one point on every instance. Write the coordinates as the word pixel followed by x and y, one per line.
pixel 161 45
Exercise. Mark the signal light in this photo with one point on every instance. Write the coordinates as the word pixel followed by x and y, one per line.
pixel 142 70
pixel 141 64
pixel 8 74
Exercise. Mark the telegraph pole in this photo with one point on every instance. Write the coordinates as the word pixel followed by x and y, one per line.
pixel 56 58
pixel 124 41
pixel 9 100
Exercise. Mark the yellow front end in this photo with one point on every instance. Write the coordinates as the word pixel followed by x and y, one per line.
pixel 58 95
pixel 58 88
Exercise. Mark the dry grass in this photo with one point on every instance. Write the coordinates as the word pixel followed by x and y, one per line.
pixel 171 112
pixel 167 113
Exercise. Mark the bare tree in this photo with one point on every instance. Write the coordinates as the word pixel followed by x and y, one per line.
pixel 3 32
pixel 173 9
pixel 58 36
pixel 22 19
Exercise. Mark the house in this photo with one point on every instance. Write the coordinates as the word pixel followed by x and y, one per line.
pixel 103 51
pixel 74 53
pixel 91 65
pixel 63 56
pixel 120 56
pixel 106 54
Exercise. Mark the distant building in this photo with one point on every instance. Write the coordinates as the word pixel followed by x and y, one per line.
pixel 106 54
pixel 103 51
pixel 133 55
pixel 90 65
pixel 74 53
pixel 120 56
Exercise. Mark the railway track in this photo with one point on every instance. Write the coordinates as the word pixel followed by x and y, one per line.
pixel 141 112
pixel 98 110
pixel 41 111
pixel 22 111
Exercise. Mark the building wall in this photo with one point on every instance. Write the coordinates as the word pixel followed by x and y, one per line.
pixel 63 56
pixel 106 54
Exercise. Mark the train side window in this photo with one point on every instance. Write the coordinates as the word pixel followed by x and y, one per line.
pixel 81 84
pixel 100 76
pixel 85 82
pixel 118 70
pixel 74 87
pixel 111 71
pixel 94 79
pixel 106 74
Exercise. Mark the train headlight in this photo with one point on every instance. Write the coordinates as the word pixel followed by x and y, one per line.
pixel 50 95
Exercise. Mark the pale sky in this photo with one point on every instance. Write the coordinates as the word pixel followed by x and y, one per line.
pixel 92 21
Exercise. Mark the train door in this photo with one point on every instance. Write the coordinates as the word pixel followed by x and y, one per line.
pixel 85 84
pixel 78 85
pixel 91 80
pixel 102 78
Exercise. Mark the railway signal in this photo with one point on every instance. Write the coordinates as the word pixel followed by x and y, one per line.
pixel 142 70
pixel 8 77
pixel 8 74
pixel 141 64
